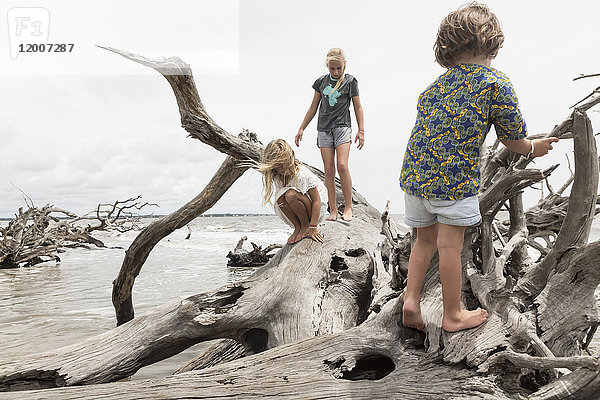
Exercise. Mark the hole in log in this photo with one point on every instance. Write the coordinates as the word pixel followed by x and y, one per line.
pixel 256 339
pixel 535 380
pixel 221 301
pixel 371 367
pixel 230 296
pixel 338 264
pixel 355 252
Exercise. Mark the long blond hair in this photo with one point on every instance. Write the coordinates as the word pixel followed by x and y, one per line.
pixel 336 54
pixel 278 153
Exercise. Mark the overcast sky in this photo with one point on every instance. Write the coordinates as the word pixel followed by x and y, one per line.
pixel 88 126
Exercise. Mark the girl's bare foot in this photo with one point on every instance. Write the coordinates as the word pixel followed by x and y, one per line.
pixel 464 320
pixel 302 233
pixel 411 314
pixel 332 216
pixel 347 215
pixel 294 237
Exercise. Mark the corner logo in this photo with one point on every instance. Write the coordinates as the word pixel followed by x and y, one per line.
pixel 27 25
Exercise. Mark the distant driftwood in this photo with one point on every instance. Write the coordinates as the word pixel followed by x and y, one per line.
pixel 258 256
pixel 37 235
pixel 324 320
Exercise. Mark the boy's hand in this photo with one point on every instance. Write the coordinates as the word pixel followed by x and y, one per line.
pixel 298 137
pixel 541 147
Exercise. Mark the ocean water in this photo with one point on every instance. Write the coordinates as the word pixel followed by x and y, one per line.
pixel 49 306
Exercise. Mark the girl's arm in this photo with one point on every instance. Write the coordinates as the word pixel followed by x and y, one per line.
pixel 524 146
pixel 312 110
pixel 313 232
pixel 360 120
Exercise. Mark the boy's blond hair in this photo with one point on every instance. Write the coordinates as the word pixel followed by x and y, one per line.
pixel 472 30
pixel 278 153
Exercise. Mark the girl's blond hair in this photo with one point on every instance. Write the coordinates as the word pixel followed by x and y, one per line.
pixel 278 153
pixel 471 30
pixel 336 54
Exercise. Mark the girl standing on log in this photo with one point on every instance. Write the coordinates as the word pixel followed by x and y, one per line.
pixel 440 173
pixel 334 92
pixel 297 191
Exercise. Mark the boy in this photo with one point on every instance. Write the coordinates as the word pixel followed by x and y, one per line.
pixel 440 172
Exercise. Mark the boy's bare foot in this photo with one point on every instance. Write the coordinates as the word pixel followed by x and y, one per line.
pixel 411 314
pixel 332 216
pixel 464 320
pixel 347 215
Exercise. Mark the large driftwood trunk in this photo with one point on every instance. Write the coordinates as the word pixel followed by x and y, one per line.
pixel 325 318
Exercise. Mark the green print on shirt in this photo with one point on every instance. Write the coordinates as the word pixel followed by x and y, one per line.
pixel 331 96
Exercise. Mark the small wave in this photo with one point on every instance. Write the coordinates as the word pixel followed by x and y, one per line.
pixel 219 228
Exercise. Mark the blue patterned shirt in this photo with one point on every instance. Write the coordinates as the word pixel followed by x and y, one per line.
pixel 454 115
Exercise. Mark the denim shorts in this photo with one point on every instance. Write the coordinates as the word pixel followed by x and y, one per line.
pixel 334 137
pixel 420 212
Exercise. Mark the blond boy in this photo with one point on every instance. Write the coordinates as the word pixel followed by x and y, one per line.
pixel 440 172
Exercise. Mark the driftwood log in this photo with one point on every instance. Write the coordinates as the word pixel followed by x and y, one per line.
pixel 258 256
pixel 324 320
pixel 37 235
pixel 121 216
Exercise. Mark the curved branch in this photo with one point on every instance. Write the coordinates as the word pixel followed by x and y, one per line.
pixel 503 158
pixel 140 248
pixel 511 183
pixel 582 76
pixel 194 118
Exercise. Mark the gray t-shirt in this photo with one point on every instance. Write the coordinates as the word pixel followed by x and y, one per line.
pixel 335 107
